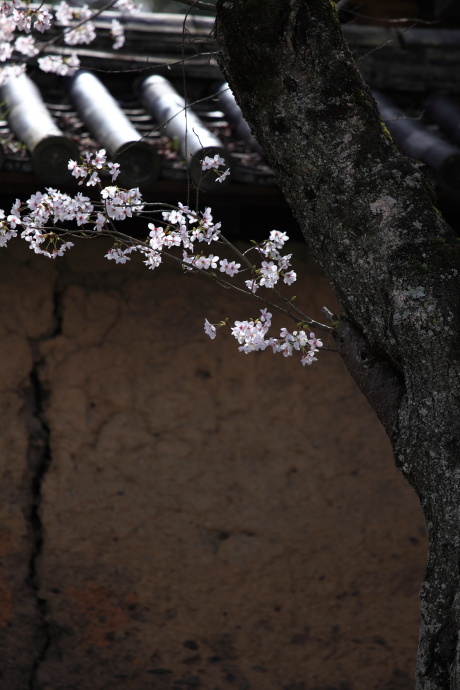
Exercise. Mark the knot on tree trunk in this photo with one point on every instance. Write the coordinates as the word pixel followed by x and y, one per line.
pixel 377 378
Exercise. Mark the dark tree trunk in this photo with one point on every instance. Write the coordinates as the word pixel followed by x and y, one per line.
pixel 368 215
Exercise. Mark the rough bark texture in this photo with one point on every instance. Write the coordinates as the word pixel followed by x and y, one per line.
pixel 368 215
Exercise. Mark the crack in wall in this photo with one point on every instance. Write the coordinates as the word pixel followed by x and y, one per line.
pixel 39 460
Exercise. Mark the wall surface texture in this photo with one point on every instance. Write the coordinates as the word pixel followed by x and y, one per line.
pixel 177 515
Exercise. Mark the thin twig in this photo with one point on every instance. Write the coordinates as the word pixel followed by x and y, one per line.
pixel 159 65
pixel 199 5
pixel 397 20
pixel 384 43
pixel 279 294
pixel 373 50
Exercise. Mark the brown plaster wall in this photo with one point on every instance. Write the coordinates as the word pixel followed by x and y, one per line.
pixel 177 515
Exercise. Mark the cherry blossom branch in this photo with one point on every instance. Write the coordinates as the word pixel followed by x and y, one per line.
pixel 39 219
pixel 114 233
pixel 127 239
pixel 180 227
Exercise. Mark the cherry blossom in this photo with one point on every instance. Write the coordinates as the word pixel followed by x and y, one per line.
pixel 114 170
pixel 93 180
pixel 82 35
pixel 308 358
pixel 224 175
pixel 314 342
pixel 172 239
pixel 101 221
pixel 209 329
pixel 6 51
pixel 213 163
pixel 252 285
pixel 173 217
pixel 66 14
pixel 229 267
pixel 77 170
pixel 153 259
pixel 118 34
pixel 157 236
pixel 192 216
pixel 99 159
pixel 290 277
pixel 43 20
pixel 118 255
pixel 278 238
pixel 26 46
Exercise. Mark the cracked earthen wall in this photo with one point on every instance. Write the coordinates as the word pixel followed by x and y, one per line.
pixel 177 515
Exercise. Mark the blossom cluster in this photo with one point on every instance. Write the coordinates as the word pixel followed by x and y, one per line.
pixel 91 165
pixel 42 207
pixel 16 16
pixel 274 264
pixel 85 30
pixel 63 65
pixel 41 215
pixel 251 336
pixel 182 228
pixel 215 163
